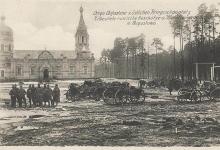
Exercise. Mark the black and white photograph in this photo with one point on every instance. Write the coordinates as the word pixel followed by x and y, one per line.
pixel 101 73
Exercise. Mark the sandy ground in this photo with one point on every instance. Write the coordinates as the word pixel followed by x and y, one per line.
pixel 156 122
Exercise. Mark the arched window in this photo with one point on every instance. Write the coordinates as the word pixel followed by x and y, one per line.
pixel 85 69
pixel 2 47
pixel 9 47
pixel 82 39
pixel 72 69
pixel 2 73
pixel 18 70
pixel 32 70
pixel 58 70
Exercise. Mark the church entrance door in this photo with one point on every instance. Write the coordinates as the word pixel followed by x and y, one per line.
pixel 46 74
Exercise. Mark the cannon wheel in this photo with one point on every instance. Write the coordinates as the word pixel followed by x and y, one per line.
pixel 215 94
pixel 196 96
pixel 142 97
pixel 182 95
pixel 120 99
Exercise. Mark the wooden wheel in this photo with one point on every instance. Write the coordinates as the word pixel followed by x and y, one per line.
pixel 142 97
pixel 183 95
pixel 196 96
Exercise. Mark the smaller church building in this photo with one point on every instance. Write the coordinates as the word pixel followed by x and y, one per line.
pixel 46 64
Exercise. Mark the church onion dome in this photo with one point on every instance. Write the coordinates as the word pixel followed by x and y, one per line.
pixel 5 31
pixel 82 29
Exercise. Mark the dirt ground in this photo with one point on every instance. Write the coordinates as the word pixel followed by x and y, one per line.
pixel 156 122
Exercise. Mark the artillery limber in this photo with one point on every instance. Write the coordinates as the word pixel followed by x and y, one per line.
pixel 73 93
pixel 88 90
pixel 208 91
pixel 114 93
pixel 123 94
pixel 192 95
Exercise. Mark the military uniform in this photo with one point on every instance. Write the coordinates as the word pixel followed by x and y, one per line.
pixel 170 86
pixel 13 93
pixel 21 97
pixel 33 95
pixel 39 96
pixel 47 95
pixel 56 95
pixel 29 94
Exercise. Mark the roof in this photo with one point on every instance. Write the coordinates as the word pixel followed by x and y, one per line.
pixel 4 29
pixel 34 54
pixel 82 26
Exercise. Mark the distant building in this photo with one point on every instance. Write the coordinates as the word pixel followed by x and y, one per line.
pixel 46 64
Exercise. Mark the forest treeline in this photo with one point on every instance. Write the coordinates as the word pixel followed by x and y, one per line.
pixel 195 40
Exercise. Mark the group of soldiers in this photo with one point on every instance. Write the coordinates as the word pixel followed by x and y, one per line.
pixel 37 96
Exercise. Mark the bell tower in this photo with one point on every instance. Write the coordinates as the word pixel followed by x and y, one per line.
pixel 6 49
pixel 81 36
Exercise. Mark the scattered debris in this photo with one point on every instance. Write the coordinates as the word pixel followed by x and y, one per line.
pixel 36 116
pixel 154 96
pixel 132 123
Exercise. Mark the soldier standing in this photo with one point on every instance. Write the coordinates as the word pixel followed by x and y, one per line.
pixel 13 93
pixel 33 95
pixel 56 95
pixel 21 96
pixel 39 94
pixel 44 94
pixel 170 86
pixel 29 94
pixel 47 94
pixel 17 92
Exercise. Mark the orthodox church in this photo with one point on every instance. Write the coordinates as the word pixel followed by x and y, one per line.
pixel 46 64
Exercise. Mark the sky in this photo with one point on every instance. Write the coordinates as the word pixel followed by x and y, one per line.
pixel 51 24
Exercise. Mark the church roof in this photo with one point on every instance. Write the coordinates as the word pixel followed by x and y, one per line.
pixel 4 29
pixel 82 26
pixel 34 54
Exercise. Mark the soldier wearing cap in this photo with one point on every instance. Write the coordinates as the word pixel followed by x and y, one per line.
pixel 47 94
pixel 56 95
pixel 33 95
pixel 29 94
pixel 39 95
pixel 21 96
pixel 13 93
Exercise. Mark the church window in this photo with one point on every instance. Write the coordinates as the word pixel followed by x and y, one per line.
pixel 8 64
pixel 9 47
pixel 6 48
pixel 82 39
pixel 58 70
pixel 32 70
pixel 2 73
pixel 72 69
pixel 2 47
pixel 18 70
pixel 85 69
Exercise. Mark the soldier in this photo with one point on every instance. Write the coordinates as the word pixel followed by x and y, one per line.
pixel 47 93
pixel 56 95
pixel 29 94
pixel 39 95
pixel 141 83
pixel 33 95
pixel 17 92
pixel 44 94
pixel 21 96
pixel 170 86
pixel 13 93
